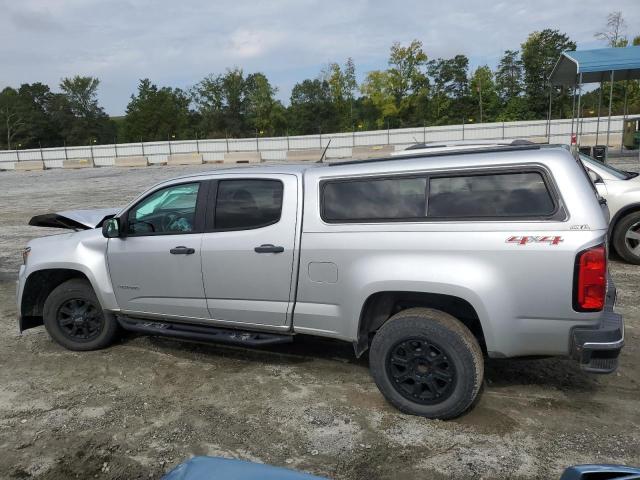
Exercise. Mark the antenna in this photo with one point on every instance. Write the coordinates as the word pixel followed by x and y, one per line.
pixel 324 151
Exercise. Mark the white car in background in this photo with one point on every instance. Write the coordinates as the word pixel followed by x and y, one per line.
pixel 621 189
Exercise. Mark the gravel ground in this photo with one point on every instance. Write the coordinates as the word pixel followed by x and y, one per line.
pixel 146 404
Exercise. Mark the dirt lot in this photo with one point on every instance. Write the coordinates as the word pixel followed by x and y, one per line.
pixel 136 409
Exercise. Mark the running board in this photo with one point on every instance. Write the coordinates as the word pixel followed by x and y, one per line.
pixel 203 333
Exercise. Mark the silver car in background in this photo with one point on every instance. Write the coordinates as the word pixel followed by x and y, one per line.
pixel 621 189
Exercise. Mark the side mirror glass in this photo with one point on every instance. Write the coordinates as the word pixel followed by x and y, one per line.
pixel 595 178
pixel 111 228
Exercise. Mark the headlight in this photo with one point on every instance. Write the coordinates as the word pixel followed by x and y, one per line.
pixel 25 254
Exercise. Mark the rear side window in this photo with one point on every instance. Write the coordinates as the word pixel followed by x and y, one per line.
pixel 246 204
pixel 474 197
pixel 377 199
pixel 495 195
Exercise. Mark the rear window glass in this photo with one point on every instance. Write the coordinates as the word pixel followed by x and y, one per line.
pixel 495 195
pixel 377 199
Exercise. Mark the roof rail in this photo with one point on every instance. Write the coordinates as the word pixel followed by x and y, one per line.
pixel 490 148
pixel 469 143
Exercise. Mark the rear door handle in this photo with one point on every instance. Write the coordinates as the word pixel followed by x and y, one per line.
pixel 269 248
pixel 182 251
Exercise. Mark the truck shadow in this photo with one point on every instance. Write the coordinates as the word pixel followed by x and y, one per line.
pixel 302 350
pixel 559 373
pixel 555 372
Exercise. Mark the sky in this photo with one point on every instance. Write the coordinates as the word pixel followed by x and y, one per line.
pixel 177 43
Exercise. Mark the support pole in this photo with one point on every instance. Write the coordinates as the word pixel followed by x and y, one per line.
pixel 599 105
pixel 610 103
pixel 548 117
pixel 579 112
pixel 573 109
pixel 624 114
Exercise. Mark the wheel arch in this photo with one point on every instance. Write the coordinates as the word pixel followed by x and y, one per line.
pixel 382 305
pixel 38 285
pixel 620 214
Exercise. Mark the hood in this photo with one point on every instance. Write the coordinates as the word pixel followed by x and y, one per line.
pixel 74 219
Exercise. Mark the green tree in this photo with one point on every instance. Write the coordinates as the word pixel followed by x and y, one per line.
pixel 378 92
pixel 342 85
pixel 312 109
pixel 208 98
pixel 509 76
pixel 157 113
pixel 235 105
pixel 12 117
pixel 484 94
pixel 264 112
pixel 450 84
pixel 90 122
pixel 406 70
pixel 540 52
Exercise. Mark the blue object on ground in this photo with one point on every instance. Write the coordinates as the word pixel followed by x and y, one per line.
pixel 214 468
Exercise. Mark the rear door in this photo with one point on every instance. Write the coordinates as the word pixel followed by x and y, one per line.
pixel 248 250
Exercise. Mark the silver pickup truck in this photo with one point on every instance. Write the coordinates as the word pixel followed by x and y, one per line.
pixel 430 261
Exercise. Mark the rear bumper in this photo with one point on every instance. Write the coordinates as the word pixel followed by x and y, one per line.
pixel 597 349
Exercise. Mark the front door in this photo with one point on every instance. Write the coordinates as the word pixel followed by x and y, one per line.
pixel 248 254
pixel 155 268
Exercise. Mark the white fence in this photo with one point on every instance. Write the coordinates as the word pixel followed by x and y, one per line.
pixel 275 148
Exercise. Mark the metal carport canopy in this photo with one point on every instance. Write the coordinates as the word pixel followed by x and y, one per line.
pixel 596 65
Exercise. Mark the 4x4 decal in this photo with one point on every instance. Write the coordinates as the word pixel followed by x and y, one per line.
pixel 525 239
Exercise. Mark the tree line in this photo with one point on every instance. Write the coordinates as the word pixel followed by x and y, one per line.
pixel 413 90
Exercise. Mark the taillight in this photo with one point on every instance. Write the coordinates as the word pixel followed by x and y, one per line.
pixel 590 280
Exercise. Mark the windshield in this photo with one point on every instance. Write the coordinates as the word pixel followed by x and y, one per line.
pixel 619 174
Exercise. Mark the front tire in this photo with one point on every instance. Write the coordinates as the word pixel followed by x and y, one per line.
pixel 626 238
pixel 427 363
pixel 74 318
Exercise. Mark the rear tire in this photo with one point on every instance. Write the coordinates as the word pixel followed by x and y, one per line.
pixel 427 363
pixel 626 238
pixel 74 318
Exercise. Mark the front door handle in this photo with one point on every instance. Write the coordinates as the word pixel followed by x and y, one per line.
pixel 182 251
pixel 269 248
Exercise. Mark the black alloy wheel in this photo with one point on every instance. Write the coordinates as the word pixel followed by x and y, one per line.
pixel 421 371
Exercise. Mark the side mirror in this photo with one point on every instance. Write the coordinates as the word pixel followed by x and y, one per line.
pixel 595 178
pixel 111 228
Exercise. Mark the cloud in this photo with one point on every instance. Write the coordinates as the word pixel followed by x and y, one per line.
pixel 178 43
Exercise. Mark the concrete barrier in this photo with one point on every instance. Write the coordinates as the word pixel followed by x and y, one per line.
pixel 377 151
pixel 185 159
pixel 133 161
pixel 308 154
pixel 28 165
pixel 77 163
pixel 615 139
pixel 242 157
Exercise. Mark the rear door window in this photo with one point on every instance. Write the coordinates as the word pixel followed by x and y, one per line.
pixel 490 195
pixel 247 203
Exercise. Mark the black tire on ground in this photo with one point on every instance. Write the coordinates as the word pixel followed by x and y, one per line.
pixel 74 318
pixel 626 237
pixel 427 363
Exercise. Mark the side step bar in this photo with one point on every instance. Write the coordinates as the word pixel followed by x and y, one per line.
pixel 203 333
